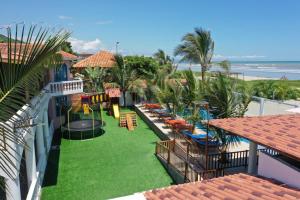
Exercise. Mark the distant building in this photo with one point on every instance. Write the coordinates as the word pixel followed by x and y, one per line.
pixel 82 56
pixel 102 59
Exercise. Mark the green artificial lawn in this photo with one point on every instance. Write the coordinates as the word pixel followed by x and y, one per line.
pixel 117 163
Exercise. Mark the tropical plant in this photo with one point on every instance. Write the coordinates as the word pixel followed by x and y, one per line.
pixel 127 77
pixel 192 95
pixel 21 67
pixel 227 99
pixel 67 47
pixel 279 90
pixel 96 77
pixel 197 48
pixel 194 115
pixel 192 89
pixel 225 65
pixel 171 96
pixel 162 57
pixel 144 66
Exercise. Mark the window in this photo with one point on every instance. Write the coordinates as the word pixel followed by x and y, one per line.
pixel 61 73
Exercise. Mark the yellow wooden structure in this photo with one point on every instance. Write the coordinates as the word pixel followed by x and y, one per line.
pixel 86 109
pixel 128 119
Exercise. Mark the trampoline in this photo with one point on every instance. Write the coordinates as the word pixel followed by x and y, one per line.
pixel 84 128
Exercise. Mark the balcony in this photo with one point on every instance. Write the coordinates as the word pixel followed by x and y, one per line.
pixel 65 87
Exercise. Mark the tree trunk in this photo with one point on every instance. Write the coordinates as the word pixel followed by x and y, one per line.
pixel 203 73
pixel 124 97
pixel 194 127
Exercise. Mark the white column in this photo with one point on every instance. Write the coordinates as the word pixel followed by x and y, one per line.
pixel 252 161
pixel 261 106
pixel 40 141
pixel 30 161
pixel 46 127
pixel 13 191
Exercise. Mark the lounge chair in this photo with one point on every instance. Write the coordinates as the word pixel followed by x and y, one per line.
pixel 181 127
pixel 153 106
pixel 194 136
pixel 175 121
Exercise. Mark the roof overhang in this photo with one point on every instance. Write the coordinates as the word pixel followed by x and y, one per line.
pixel 237 186
pixel 278 132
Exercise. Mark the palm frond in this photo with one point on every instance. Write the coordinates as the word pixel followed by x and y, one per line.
pixel 22 66
pixel 197 47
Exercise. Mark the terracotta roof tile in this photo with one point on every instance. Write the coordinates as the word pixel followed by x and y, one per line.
pixel 279 132
pixel 67 56
pixel 235 187
pixel 4 51
pixel 100 59
pixel 113 92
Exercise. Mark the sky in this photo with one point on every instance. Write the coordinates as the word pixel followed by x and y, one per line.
pixel 241 29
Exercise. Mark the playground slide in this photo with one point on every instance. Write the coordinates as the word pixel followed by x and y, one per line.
pixel 116 110
pixel 129 122
pixel 86 110
pixel 76 106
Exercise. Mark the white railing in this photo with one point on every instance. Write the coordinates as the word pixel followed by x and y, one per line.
pixel 66 87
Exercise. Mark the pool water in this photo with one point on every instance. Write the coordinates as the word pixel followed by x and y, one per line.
pixel 205 116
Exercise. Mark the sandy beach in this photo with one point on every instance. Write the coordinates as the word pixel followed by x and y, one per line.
pixel 254 78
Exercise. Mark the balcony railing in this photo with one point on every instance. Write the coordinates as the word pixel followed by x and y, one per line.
pixel 66 87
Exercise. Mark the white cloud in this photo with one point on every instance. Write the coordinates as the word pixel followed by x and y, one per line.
pixel 63 17
pixel 84 46
pixel 219 56
pixel 104 22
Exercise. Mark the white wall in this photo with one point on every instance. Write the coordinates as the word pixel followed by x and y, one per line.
pixel 129 101
pixel 272 168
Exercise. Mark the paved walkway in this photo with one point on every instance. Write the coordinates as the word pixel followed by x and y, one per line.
pixel 168 132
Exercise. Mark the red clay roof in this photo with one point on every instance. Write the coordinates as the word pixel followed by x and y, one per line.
pixel 279 132
pixel 233 187
pixel 4 52
pixel 100 59
pixel 113 92
pixel 67 56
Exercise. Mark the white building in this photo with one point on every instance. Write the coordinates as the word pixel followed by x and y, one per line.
pixel 45 117
pixel 280 135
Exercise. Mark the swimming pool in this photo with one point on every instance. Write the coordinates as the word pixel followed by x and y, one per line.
pixel 205 116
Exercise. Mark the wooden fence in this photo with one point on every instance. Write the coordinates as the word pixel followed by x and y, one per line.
pixel 192 164
pixel 175 157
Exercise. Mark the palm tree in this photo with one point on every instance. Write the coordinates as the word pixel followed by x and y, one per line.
pixel 162 57
pixel 192 89
pixel 197 48
pixel 192 95
pixel 127 78
pixel 194 115
pixel 171 96
pixel 21 69
pixel 225 65
pixel 96 77
pixel 227 99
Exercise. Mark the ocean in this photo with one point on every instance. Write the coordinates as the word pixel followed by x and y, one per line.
pixel 268 69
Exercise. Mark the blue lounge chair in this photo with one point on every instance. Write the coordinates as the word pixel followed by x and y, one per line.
pixel 210 143
pixel 193 136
